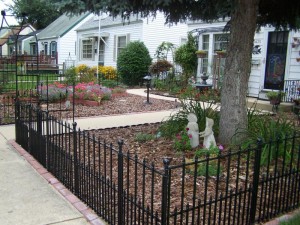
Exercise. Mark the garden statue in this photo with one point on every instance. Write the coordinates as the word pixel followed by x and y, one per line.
pixel 193 130
pixel 208 134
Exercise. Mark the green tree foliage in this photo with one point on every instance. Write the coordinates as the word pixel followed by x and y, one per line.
pixel 245 17
pixel 39 13
pixel 133 63
pixel 185 56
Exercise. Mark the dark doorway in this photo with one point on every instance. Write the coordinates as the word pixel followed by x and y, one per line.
pixel 276 60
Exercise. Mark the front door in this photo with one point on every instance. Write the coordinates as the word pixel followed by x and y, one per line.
pixel 276 60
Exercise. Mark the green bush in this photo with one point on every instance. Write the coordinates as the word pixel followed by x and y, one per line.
pixel 133 63
pixel 143 137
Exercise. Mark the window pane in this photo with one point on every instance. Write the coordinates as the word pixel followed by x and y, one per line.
pixel 87 49
pixel 121 43
pixel 220 41
pixel 205 43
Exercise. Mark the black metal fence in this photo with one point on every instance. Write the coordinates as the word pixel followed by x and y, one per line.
pixel 245 186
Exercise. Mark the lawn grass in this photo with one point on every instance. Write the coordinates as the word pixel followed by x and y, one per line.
pixel 295 220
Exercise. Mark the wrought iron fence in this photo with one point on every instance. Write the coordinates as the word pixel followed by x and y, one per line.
pixel 245 186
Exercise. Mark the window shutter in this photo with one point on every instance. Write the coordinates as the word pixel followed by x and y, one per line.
pixel 115 47
pixel 127 39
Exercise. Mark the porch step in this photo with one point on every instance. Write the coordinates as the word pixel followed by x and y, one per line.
pixel 265 105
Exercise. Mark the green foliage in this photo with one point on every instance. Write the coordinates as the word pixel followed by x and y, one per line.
pixel 40 13
pixel 109 83
pixel 133 63
pixel 163 50
pixel 295 220
pixel 177 122
pixel 182 141
pixel 185 56
pixel 143 137
pixel 211 169
pixel 269 130
pixel 70 76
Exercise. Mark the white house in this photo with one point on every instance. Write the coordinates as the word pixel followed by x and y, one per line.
pixel 58 39
pixel 275 57
pixel 116 33
pixel 9 35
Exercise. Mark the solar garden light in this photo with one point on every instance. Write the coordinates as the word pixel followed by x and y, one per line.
pixel 148 80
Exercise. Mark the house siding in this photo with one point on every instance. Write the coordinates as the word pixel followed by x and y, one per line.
pixel 155 31
pixel 133 29
pixel 151 31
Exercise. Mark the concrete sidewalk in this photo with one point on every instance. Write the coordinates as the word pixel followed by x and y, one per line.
pixel 29 195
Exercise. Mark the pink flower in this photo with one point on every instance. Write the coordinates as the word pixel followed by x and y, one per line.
pixel 221 147
pixel 190 136
pixel 187 129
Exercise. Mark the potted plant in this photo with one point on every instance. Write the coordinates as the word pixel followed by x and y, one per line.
pixel 275 97
pixel 221 53
pixel 201 53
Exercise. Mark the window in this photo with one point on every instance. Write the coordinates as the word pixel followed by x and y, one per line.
pixel 53 49
pixel 221 41
pixel 33 49
pixel 205 42
pixel 121 44
pixel 101 52
pixel 87 49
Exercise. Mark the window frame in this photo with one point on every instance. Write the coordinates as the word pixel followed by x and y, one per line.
pixel 87 49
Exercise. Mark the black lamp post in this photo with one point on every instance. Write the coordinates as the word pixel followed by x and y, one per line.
pixel 148 80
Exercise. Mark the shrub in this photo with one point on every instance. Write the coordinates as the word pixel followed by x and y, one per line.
pixel 71 76
pixel 133 63
pixel 185 56
pixel 85 73
pixel 161 65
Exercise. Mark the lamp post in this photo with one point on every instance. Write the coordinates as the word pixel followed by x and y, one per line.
pixel 148 80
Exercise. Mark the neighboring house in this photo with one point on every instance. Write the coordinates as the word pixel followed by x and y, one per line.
pixel 7 40
pixel 116 33
pixel 275 57
pixel 58 40
pixel 24 41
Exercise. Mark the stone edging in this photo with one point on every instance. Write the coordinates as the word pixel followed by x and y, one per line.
pixel 87 212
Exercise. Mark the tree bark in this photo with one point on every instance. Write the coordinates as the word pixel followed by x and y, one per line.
pixel 237 71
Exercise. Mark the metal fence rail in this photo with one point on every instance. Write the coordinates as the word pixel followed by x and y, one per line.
pixel 235 187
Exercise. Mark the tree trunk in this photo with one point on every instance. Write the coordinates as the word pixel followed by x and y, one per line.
pixel 237 70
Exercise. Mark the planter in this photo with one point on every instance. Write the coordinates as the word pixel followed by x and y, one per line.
pixel 221 54
pixel 201 54
pixel 86 102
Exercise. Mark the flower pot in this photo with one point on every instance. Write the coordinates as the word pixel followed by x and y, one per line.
pixel 201 54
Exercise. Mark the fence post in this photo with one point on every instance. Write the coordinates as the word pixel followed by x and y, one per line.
pixel 164 198
pixel 120 184
pixel 255 181
pixel 76 173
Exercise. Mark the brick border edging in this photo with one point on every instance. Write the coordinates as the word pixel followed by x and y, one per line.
pixel 87 212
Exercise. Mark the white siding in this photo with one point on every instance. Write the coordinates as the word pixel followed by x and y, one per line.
pixel 134 30
pixel 66 43
pixel 155 31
